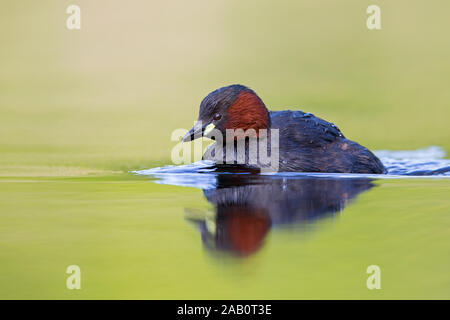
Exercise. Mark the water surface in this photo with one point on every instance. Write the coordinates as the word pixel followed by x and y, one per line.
pixel 194 232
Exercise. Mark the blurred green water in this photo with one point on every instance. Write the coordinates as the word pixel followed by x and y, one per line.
pixel 95 103
pixel 131 240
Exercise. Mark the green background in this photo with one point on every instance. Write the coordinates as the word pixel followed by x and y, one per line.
pixel 107 97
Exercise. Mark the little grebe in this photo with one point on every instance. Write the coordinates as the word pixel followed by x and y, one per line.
pixel 306 142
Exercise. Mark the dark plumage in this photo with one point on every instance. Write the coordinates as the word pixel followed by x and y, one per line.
pixel 306 142
pixel 310 144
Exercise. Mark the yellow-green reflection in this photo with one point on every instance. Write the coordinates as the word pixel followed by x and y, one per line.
pixel 131 240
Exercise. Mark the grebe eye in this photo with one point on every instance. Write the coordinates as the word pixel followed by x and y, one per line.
pixel 217 117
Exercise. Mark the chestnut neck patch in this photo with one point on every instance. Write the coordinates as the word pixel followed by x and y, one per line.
pixel 247 112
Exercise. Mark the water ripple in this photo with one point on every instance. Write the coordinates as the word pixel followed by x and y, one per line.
pixel 428 162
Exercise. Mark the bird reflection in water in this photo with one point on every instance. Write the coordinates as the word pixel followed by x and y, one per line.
pixel 246 207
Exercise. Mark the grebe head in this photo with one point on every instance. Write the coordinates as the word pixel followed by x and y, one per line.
pixel 232 107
